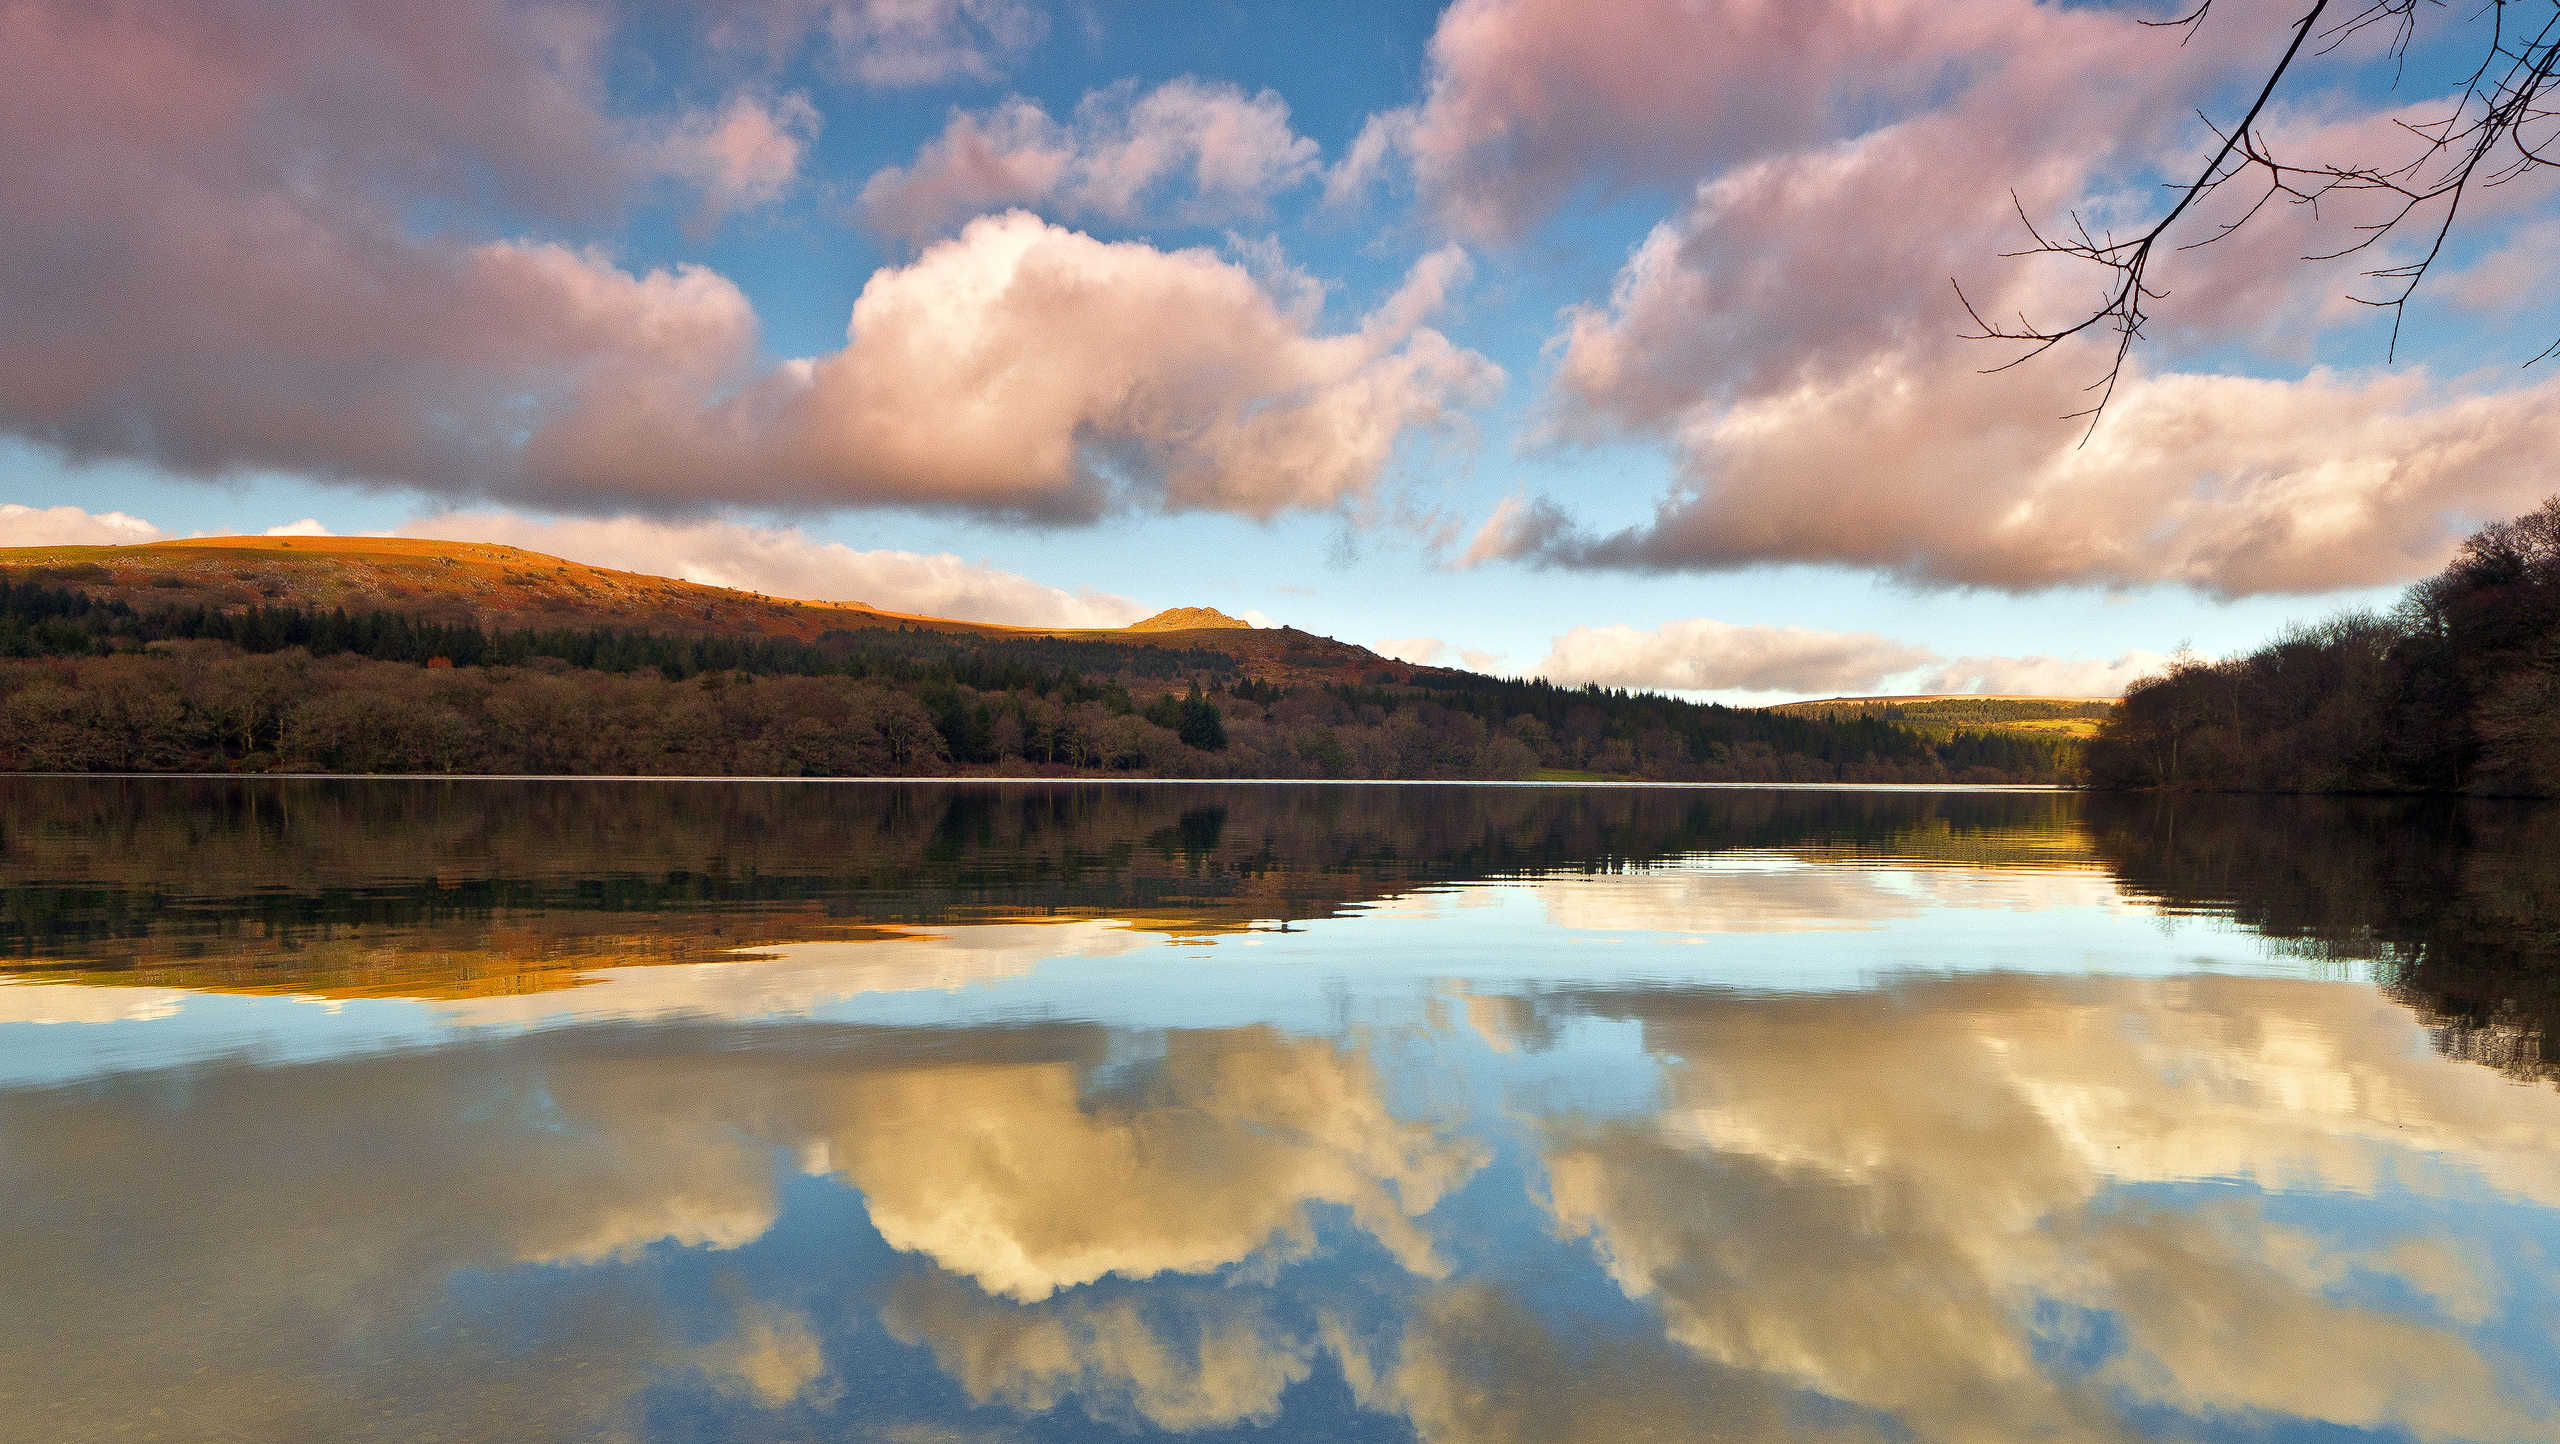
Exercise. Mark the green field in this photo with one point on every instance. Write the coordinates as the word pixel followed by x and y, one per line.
pixel 1939 718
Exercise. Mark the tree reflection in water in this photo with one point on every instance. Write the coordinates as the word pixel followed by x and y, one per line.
pixel 1558 1115
pixel 2455 904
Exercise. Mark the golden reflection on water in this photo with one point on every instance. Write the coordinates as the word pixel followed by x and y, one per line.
pixel 442 890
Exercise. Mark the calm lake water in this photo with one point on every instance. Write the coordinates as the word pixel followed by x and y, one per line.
pixel 917 1112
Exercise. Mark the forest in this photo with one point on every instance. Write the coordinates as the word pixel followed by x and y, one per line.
pixel 2455 690
pixel 97 686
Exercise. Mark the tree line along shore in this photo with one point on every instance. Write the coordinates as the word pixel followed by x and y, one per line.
pixel 105 686
pixel 2455 690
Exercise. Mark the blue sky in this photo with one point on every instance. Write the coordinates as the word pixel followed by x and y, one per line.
pixel 1613 345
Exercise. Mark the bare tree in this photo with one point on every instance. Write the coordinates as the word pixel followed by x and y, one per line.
pixel 2497 128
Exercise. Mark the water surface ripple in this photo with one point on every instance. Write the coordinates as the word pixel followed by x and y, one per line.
pixel 443 1111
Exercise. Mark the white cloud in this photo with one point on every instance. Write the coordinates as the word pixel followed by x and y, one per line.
pixel 1021 368
pixel 786 562
pixel 1812 1209
pixel 350 280
pixel 919 42
pixel 78 1003
pixel 890 44
pixel 745 154
pixel 1703 655
pixel 308 526
pixel 773 1359
pixel 1789 335
pixel 2045 676
pixel 1016 1176
pixel 1433 652
pixel 1699 654
pixel 1420 651
pixel 1194 150
pixel 69 526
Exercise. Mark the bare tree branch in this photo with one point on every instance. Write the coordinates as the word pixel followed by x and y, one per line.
pixel 2497 128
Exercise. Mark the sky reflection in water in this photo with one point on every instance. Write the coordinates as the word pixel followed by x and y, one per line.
pixel 1474 1114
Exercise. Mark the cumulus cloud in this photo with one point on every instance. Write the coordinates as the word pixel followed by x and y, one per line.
pixel 2515 271
pixel 786 562
pixel 1705 655
pixel 891 43
pixel 1772 892
pixel 1025 368
pixel 1700 654
pixel 69 526
pixel 1005 1153
pixel 1420 651
pixel 783 980
pixel 2229 485
pixel 399 1203
pixel 1791 337
pixel 1224 1360
pixel 1012 1175
pixel 1526 100
pixel 1807 1168
pixel 220 268
pixel 1193 150
pixel 2043 675
pixel 773 1358
pixel 742 155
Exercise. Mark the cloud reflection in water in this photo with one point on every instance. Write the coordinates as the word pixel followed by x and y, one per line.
pixel 966 1180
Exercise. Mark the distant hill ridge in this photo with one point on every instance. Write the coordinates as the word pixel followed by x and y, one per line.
pixel 508 588
pixel 374 655
pixel 1187 619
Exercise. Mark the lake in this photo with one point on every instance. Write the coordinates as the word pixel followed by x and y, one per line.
pixel 444 1111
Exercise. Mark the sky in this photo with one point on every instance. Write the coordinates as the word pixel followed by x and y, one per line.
pixel 1606 343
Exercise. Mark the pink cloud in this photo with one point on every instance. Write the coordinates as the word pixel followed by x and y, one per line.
pixel 1420 651
pixel 889 43
pixel 744 154
pixel 1703 655
pixel 1792 337
pixel 786 562
pixel 2226 484
pixel 1022 367
pixel 215 265
pixel 2044 675
pixel 1700 654
pixel 69 526
pixel 215 268
pixel 1197 150
pixel 1528 100
pixel 2515 272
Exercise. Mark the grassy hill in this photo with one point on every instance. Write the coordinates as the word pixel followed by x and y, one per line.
pixel 373 655
pixel 2073 718
pixel 506 589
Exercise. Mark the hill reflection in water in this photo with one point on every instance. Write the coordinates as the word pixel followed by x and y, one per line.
pixel 453 1111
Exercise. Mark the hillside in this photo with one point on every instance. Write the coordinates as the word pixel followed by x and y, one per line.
pixel 503 588
pixel 395 656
